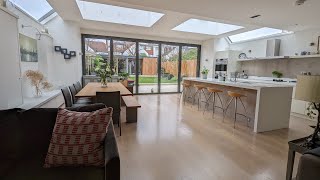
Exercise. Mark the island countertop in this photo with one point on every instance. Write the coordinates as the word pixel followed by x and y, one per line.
pixel 268 103
pixel 241 83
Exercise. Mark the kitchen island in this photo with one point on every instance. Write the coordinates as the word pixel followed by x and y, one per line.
pixel 268 104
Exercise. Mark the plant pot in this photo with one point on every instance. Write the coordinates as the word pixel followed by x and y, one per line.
pixel 204 76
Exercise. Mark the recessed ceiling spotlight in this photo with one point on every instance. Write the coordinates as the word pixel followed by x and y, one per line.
pixel 255 16
pixel 300 2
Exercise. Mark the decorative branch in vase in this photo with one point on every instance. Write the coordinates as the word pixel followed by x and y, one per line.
pixel 102 69
pixel 38 81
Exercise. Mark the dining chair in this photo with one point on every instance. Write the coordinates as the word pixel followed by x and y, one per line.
pixel 79 100
pixel 77 86
pixel 67 98
pixel 111 99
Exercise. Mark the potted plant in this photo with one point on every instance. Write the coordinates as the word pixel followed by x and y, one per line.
pixel 37 80
pixel 103 70
pixel 277 74
pixel 204 72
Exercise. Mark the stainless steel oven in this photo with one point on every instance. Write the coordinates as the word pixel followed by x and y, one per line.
pixel 221 67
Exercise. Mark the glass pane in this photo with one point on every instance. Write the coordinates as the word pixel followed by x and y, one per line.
pixel 189 61
pixel 94 49
pixel 117 14
pixel 169 68
pixel 258 33
pixel 124 62
pixel 36 8
pixel 206 27
pixel 148 73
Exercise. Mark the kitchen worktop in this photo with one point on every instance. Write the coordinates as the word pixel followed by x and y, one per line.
pixel 244 83
pixel 268 103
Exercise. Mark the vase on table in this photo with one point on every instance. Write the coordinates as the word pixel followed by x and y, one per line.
pixel 104 82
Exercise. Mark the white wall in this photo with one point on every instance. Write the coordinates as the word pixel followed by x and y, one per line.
pixel 208 52
pixel 207 56
pixel 10 91
pixel 290 44
pixel 67 35
pixel 26 20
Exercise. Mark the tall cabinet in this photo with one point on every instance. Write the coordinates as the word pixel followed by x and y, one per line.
pixel 10 91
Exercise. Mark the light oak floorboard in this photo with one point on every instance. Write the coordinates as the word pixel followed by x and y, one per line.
pixel 172 141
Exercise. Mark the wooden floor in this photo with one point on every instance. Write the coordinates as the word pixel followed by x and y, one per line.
pixel 172 141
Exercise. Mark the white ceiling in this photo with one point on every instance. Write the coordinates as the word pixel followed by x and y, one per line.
pixel 282 14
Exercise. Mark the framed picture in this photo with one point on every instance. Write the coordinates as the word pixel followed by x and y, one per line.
pixel 64 51
pixel 57 48
pixel 28 49
pixel 67 56
pixel 73 53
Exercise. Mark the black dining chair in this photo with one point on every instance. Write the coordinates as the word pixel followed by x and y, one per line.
pixel 111 99
pixel 78 100
pixel 77 86
pixel 68 99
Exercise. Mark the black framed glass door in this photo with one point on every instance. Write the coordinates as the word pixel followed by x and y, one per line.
pixel 151 66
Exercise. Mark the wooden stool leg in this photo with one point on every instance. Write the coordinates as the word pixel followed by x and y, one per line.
pixel 207 103
pixel 235 112
pixel 245 110
pixel 225 111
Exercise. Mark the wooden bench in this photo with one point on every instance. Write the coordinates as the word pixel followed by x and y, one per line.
pixel 132 106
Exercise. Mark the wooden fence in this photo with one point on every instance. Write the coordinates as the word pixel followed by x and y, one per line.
pixel 188 67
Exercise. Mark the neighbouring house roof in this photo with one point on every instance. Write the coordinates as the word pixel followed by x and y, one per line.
pixel 97 46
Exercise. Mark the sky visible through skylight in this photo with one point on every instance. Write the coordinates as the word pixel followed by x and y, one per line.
pixel 118 15
pixel 206 27
pixel 35 8
pixel 258 33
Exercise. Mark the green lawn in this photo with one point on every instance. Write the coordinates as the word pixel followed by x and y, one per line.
pixel 152 80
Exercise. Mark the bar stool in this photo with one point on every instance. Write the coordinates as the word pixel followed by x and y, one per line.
pixel 186 92
pixel 199 90
pixel 213 93
pixel 236 96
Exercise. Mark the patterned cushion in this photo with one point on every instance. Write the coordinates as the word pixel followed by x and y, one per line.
pixel 77 138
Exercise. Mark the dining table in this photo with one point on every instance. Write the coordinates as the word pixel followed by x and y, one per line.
pixel 92 88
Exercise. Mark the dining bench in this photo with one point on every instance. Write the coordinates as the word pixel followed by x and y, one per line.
pixel 132 106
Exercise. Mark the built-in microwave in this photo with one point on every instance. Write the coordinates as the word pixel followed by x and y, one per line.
pixel 220 68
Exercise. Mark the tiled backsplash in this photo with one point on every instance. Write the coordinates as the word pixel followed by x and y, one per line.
pixel 289 67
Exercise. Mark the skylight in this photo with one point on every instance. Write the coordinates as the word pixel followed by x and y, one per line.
pixel 258 33
pixel 206 27
pixel 36 8
pixel 119 15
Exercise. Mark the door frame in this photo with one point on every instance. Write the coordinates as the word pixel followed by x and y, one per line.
pixel 115 38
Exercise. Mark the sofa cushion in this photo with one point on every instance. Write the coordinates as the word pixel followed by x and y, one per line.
pixel 78 137
pixel 32 169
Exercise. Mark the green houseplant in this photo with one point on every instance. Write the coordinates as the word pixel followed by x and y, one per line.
pixel 277 74
pixel 204 72
pixel 102 68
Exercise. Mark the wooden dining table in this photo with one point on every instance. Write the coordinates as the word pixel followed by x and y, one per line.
pixel 92 88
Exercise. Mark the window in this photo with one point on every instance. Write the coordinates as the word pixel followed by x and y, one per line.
pixel 206 27
pixel 149 66
pixel 255 34
pixel 36 9
pixel 119 15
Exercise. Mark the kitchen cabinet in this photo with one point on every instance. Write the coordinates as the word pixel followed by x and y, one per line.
pixel 10 75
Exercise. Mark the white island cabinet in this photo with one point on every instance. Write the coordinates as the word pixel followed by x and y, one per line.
pixel 268 105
